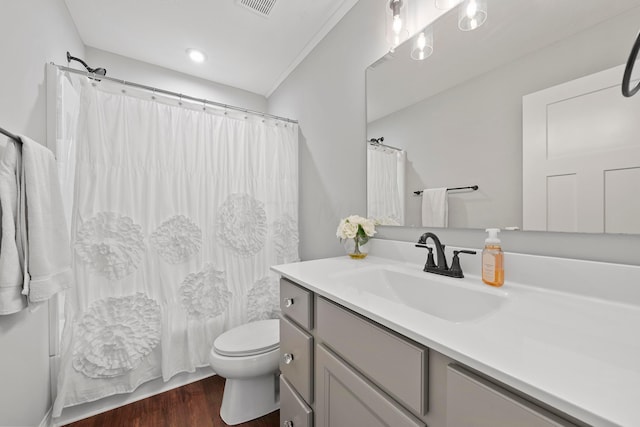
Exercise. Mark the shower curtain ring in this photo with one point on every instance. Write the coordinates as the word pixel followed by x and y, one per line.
pixel 153 94
pixel 180 101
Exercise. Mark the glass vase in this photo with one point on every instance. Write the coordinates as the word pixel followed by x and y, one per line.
pixel 356 249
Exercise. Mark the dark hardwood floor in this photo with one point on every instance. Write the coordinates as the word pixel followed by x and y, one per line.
pixel 194 405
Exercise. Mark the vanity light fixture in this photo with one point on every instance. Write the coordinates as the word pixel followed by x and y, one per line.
pixel 446 4
pixel 397 22
pixel 196 55
pixel 422 45
pixel 472 14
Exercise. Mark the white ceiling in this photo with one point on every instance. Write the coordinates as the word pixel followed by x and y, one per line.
pixel 244 50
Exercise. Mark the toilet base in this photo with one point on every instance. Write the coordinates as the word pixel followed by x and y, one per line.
pixel 247 399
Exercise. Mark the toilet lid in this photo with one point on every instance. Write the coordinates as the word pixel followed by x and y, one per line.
pixel 249 339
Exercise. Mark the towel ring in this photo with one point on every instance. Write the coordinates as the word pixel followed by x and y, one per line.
pixel 626 79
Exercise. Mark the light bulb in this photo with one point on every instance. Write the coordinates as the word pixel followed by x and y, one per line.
pixel 422 45
pixel 472 14
pixel 397 24
pixel 422 42
pixel 472 9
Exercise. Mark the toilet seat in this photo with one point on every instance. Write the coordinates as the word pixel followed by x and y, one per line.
pixel 250 339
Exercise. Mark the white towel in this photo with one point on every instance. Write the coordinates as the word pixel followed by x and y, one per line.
pixel 11 256
pixel 435 207
pixel 47 249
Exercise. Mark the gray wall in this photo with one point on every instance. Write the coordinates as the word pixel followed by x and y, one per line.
pixel 326 93
pixel 477 126
pixel 32 33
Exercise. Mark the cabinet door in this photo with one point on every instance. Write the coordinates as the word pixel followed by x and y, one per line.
pixel 294 412
pixel 472 401
pixel 346 398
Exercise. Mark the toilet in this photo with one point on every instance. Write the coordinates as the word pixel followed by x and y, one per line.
pixel 247 356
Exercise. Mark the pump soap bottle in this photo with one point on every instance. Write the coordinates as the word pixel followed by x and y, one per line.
pixel 492 259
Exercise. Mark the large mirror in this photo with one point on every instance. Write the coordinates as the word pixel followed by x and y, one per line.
pixel 527 107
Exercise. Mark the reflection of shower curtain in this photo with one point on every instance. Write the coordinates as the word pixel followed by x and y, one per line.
pixel 177 216
pixel 385 185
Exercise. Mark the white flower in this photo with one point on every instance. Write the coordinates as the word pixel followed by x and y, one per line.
pixel 263 300
pixel 349 226
pixel 110 244
pixel 115 335
pixel 204 294
pixel 177 239
pixel 340 231
pixel 285 239
pixel 242 224
pixel 350 230
pixel 369 227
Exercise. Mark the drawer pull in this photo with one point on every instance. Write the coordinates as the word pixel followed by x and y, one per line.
pixel 287 423
pixel 287 358
pixel 288 302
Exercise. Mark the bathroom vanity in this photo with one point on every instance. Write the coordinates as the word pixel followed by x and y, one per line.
pixel 378 342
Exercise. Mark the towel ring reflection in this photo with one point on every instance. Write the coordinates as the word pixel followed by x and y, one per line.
pixel 626 79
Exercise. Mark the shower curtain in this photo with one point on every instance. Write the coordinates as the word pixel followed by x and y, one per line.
pixel 385 185
pixel 177 215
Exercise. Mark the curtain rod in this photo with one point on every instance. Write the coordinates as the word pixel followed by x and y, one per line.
pixel 377 142
pixel 174 94
pixel 10 135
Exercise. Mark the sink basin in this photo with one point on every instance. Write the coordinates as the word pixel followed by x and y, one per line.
pixel 446 298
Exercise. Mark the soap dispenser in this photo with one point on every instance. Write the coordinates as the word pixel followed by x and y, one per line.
pixel 492 259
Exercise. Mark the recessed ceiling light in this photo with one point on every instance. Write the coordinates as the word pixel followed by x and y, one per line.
pixel 196 55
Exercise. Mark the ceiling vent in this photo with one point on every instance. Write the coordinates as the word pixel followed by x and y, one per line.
pixel 261 7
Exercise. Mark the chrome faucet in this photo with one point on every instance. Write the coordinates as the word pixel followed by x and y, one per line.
pixel 441 268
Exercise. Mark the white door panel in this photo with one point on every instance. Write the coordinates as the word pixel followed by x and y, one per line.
pixel 581 157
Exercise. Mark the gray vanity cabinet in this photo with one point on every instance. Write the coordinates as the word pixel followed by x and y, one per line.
pixel 473 401
pixel 341 369
pixel 344 397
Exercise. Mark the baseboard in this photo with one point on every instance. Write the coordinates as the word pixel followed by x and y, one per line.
pixel 148 389
pixel 46 421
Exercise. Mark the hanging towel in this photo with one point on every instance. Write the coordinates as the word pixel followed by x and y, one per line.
pixel 11 257
pixel 47 259
pixel 435 207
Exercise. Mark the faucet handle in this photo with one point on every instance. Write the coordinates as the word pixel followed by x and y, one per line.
pixel 431 263
pixel 455 269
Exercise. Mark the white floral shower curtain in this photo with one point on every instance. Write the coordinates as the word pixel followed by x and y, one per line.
pixel 177 215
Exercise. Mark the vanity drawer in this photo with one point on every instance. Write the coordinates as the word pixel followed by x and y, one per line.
pixel 296 303
pixel 397 365
pixel 296 358
pixel 294 412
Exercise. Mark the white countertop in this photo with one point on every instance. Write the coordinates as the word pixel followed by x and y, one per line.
pixel 577 353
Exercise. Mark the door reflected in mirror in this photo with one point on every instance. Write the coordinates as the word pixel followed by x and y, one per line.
pixel 527 107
